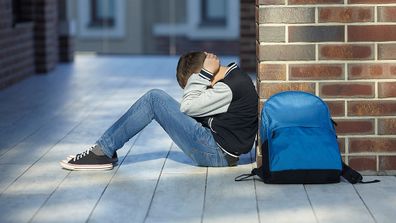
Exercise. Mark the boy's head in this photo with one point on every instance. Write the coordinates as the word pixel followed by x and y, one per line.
pixel 188 64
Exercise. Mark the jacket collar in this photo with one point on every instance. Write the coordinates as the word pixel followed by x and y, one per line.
pixel 231 67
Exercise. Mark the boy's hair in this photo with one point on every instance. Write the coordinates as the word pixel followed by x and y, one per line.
pixel 188 64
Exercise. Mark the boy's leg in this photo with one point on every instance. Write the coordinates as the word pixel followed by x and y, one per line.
pixel 194 139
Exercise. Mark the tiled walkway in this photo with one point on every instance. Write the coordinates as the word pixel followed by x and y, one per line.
pixel 45 118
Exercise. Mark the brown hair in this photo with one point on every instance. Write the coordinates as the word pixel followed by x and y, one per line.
pixel 188 64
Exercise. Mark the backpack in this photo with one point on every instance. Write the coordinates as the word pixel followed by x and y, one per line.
pixel 299 142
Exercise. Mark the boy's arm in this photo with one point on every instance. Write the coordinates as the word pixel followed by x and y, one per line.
pixel 201 99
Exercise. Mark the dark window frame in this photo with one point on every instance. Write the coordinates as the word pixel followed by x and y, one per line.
pixel 207 21
pixel 97 21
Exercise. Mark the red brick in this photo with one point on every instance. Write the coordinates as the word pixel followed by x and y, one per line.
pixel 371 71
pixel 286 52
pixel 303 2
pixel 337 108
pixel 371 108
pixel 272 71
pixel 357 145
pixel 268 89
pixel 355 127
pixel 347 89
pixel 371 1
pixel 341 145
pixel 363 163
pixel 387 163
pixel 316 34
pixel 290 15
pixel 346 14
pixel 316 71
pixel 387 13
pixel 271 34
pixel 387 51
pixel 346 52
pixel 386 89
pixel 270 2
pixel 387 126
pixel 372 33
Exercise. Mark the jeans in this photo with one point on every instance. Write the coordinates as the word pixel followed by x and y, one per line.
pixel 196 141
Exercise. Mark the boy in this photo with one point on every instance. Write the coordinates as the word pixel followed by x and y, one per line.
pixel 214 124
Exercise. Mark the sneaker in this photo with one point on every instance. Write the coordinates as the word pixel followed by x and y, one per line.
pixel 114 158
pixel 88 160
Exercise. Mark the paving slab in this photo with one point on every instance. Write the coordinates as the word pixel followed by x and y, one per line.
pixel 283 203
pixel 132 188
pixel 379 198
pixel 227 200
pixel 337 203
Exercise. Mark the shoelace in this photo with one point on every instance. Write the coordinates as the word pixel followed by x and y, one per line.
pixel 81 155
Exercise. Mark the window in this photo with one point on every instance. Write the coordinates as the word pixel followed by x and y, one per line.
pixel 98 19
pixel 102 13
pixel 206 19
pixel 213 13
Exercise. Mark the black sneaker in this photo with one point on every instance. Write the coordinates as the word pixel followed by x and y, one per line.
pixel 88 161
pixel 114 158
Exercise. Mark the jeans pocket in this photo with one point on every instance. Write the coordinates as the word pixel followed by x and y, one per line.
pixel 208 159
pixel 206 152
pixel 206 141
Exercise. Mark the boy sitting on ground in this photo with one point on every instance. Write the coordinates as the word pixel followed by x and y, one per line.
pixel 214 124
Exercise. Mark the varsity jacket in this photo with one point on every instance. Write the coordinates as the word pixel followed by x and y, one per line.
pixel 229 108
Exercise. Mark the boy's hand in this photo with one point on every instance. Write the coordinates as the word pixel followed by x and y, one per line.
pixel 211 63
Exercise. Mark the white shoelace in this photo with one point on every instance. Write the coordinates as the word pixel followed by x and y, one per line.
pixel 81 155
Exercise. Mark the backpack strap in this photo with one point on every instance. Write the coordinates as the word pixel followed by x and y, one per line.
pixel 246 176
pixel 353 177
pixel 243 177
pixel 255 171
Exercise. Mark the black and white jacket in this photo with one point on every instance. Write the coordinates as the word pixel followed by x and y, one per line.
pixel 229 108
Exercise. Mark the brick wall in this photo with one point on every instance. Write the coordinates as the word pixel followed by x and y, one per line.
pixel 44 15
pixel 45 34
pixel 16 47
pixel 344 52
pixel 247 36
pixel 66 48
pixel 65 32
pixel 29 44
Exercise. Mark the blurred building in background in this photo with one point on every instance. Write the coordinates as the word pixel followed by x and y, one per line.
pixel 35 35
pixel 156 27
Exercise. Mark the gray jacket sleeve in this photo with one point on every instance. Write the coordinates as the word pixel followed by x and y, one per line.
pixel 200 99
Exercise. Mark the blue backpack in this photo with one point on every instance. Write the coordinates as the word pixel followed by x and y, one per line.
pixel 299 142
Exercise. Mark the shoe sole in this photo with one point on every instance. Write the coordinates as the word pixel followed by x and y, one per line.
pixel 69 166
pixel 68 158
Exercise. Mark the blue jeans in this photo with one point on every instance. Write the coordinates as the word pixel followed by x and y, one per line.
pixel 189 135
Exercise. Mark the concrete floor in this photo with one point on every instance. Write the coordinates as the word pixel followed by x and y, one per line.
pixel 45 118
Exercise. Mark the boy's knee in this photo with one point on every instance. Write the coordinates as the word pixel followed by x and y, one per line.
pixel 156 92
